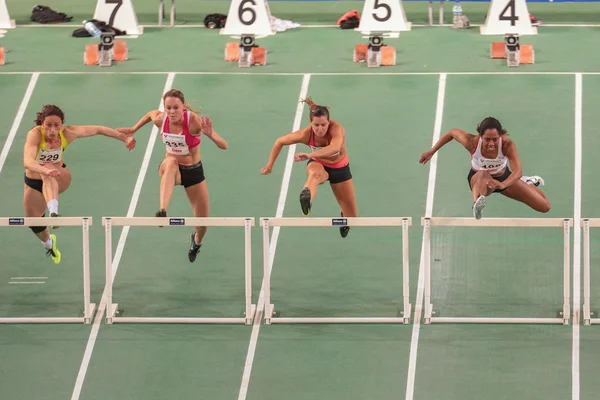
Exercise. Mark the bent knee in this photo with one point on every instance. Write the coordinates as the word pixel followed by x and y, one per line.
pixel 320 176
pixel 545 207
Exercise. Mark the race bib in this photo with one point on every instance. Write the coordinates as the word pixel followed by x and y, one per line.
pixel 175 144
pixel 49 156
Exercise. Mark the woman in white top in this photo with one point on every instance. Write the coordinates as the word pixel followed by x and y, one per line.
pixel 492 151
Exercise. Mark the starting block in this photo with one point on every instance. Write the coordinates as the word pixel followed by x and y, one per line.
pixel 246 52
pixel 107 51
pixel 514 52
pixel 2 56
pixel 375 53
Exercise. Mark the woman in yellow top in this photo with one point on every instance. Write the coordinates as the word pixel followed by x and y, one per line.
pixel 46 175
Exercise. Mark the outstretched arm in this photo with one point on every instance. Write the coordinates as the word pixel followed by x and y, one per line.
pixel 154 116
pixel 203 125
pixel 76 132
pixel 291 138
pixel 464 138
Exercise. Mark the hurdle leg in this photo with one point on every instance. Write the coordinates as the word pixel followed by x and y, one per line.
pixel 566 312
pixel 88 306
pixel 250 308
pixel 405 272
pixel 111 309
pixel 587 315
pixel 430 12
pixel 426 263
pixel 161 12
pixel 441 13
pixel 267 273
pixel 172 13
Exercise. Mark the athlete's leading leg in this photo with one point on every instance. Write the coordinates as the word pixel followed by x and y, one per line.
pixel 34 205
pixel 169 178
pixel 316 176
pixel 198 197
pixel 480 190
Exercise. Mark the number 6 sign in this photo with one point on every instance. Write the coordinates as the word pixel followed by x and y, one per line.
pixel 248 17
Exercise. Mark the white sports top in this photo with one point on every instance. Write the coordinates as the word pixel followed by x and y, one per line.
pixel 491 165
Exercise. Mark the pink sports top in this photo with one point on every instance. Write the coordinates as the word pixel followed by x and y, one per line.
pixel 311 143
pixel 179 144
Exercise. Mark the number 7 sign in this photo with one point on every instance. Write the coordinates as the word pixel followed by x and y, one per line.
pixel 118 14
pixel 508 17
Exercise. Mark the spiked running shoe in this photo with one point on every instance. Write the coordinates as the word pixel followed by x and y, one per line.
pixel 53 252
pixel 305 201
pixel 194 248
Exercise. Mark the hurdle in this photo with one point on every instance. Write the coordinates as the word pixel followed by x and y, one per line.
pixel 563 223
pixel 112 310
pixel 88 307
pixel 403 222
pixel 430 13
pixel 161 13
pixel 586 224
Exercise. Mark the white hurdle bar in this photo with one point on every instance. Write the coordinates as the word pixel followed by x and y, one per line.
pixel 563 223
pixel 112 308
pixel 88 307
pixel 337 222
pixel 586 224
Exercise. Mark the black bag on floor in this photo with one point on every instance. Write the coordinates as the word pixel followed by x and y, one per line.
pixel 46 15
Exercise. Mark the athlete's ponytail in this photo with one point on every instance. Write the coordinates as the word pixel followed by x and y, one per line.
pixel 315 109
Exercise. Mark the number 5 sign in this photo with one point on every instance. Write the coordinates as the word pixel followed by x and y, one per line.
pixel 506 17
pixel 383 16
pixel 118 14
pixel 248 17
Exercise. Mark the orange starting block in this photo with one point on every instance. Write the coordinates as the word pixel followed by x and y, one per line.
pixel 388 54
pixel 526 52
pixel 2 56
pixel 375 53
pixel 258 54
pixel 118 52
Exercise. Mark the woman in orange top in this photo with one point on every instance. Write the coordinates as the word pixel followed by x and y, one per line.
pixel 328 161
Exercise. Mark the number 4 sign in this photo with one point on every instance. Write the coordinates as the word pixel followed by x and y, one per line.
pixel 248 17
pixel 508 17
pixel 118 14
pixel 383 16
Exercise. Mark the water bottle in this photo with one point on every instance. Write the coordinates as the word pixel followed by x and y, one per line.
pixel 457 11
pixel 92 29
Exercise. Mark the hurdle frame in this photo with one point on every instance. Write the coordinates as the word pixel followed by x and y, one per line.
pixel 336 222
pixel 247 223
pixel 88 307
pixel 586 224
pixel 430 13
pixel 161 13
pixel 564 223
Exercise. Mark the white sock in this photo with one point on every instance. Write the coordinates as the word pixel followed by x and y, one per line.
pixel 53 206
pixel 48 243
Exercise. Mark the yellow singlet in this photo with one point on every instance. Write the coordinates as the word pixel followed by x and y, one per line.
pixel 51 156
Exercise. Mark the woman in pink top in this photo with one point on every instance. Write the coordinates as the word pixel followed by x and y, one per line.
pixel 328 161
pixel 180 130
